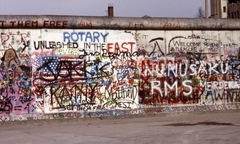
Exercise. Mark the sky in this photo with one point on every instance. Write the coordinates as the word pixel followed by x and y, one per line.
pixel 122 8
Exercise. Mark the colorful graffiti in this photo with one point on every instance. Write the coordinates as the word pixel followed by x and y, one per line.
pixel 57 71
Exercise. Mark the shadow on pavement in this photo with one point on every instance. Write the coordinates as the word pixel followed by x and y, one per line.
pixel 200 123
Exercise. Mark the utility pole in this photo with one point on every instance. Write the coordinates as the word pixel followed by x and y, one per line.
pixel 206 8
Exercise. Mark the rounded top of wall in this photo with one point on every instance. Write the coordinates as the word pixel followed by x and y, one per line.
pixel 118 23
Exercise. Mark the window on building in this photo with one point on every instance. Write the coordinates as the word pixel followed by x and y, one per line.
pixel 224 9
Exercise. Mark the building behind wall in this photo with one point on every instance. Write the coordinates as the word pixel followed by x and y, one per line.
pixel 234 9
pixel 218 9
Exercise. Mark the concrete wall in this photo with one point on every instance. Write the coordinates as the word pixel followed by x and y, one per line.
pixel 100 72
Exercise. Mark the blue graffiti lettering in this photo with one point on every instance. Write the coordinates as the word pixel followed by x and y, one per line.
pixel 84 36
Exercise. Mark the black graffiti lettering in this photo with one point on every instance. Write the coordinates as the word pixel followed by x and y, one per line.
pixel 122 93
pixel 156 46
pixel 26 44
pixel 87 54
pixel 233 95
pixel 74 95
pixel 74 71
pixel 53 44
pixel 18 108
pixel 83 107
pixel 5 106
pixel 124 104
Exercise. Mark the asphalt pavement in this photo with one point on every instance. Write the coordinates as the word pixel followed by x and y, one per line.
pixel 210 127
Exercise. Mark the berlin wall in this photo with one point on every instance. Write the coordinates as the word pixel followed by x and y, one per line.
pixel 53 65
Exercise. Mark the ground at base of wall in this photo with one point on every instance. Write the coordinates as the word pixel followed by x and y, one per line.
pixel 120 117
pixel 143 111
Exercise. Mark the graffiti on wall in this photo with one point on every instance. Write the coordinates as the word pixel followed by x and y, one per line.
pixel 82 71
pixel 195 69
pixel 54 71
pixel 15 73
